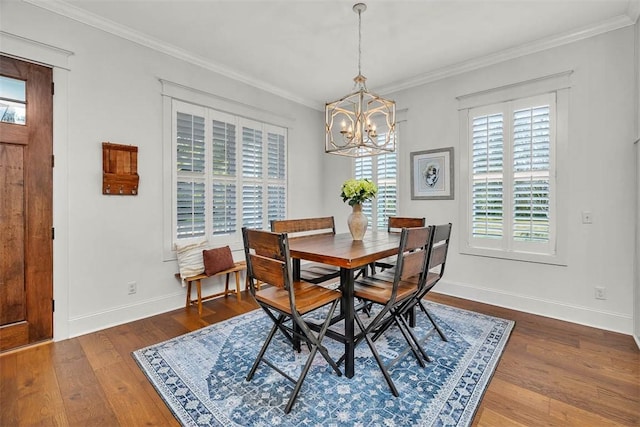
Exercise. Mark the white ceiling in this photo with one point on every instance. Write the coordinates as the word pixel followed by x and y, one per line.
pixel 306 50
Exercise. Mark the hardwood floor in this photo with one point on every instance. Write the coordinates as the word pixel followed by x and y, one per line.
pixel 551 373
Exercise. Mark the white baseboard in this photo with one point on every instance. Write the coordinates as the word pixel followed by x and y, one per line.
pixel 123 314
pixel 611 321
pixel 637 339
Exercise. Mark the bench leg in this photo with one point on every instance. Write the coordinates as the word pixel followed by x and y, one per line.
pixel 198 285
pixel 238 286
pixel 188 294
pixel 226 285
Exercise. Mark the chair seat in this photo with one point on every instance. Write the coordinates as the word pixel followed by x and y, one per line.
pixel 432 279
pixel 308 297
pixel 387 262
pixel 316 272
pixel 379 291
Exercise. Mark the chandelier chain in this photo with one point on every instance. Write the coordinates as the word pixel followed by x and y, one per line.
pixel 359 42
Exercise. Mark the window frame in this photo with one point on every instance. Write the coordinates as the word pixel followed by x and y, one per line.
pixel 555 252
pixel 215 108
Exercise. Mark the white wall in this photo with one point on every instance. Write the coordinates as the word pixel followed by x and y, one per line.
pixel 601 129
pixel 112 93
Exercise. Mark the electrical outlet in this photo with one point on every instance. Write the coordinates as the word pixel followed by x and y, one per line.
pixel 601 293
pixel 133 287
pixel 587 217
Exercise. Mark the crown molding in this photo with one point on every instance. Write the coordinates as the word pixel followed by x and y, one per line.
pixel 72 12
pixel 616 23
pixel 77 14
pixel 634 10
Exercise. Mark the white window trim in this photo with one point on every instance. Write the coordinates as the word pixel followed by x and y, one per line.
pixel 174 91
pixel 560 85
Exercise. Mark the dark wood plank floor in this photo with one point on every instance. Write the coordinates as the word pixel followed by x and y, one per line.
pixel 551 373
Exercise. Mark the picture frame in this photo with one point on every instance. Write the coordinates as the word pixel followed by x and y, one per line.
pixel 432 174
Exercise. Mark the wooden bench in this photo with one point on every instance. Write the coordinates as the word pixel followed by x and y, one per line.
pixel 236 269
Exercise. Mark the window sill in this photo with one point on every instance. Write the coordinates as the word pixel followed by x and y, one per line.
pixel 553 259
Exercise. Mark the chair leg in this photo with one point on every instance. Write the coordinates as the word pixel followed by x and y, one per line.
pixel 372 346
pixel 412 340
pixel 303 375
pixel 318 340
pixel 433 322
pixel 272 332
pixel 314 343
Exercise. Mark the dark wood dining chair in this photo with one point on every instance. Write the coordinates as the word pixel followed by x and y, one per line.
pixel 437 262
pixel 269 261
pixel 439 248
pixel 390 290
pixel 395 224
pixel 313 272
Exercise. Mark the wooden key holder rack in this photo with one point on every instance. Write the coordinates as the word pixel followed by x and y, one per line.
pixel 119 170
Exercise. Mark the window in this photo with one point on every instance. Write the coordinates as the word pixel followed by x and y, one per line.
pixel 511 153
pixel 13 100
pixel 230 172
pixel 383 170
pixel 512 188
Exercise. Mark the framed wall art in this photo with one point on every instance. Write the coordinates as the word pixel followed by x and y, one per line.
pixel 432 174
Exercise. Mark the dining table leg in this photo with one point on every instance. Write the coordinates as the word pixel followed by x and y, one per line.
pixel 347 306
pixel 296 277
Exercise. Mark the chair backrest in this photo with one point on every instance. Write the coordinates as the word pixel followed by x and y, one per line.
pixel 439 248
pixel 395 224
pixel 304 226
pixel 267 256
pixel 413 252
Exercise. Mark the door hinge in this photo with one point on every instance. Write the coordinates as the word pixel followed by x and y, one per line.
pixel 53 305
pixel 53 233
pixel 53 161
pixel 53 88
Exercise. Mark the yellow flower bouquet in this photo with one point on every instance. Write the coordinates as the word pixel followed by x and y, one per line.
pixel 357 191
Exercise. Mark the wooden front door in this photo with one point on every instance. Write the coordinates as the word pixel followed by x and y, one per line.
pixel 26 169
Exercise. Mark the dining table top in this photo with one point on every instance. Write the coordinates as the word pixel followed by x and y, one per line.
pixel 342 251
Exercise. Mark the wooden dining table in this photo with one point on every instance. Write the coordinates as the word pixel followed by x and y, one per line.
pixel 350 255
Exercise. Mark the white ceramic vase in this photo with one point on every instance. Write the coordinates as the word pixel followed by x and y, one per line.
pixel 357 222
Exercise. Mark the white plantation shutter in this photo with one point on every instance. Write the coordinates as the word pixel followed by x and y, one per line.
pixel 252 206
pixel 386 202
pixel 229 172
pixel 224 159
pixel 276 171
pixel 487 165
pixel 383 171
pixel 251 153
pixel 252 166
pixel 511 181
pixel 190 185
pixel 364 169
pixel 531 173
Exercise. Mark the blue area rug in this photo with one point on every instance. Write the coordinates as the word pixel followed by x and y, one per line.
pixel 201 375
